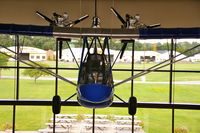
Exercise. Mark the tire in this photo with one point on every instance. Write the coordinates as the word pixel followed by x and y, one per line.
pixel 132 105
pixel 56 104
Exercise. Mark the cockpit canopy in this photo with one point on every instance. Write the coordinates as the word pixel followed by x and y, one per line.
pixel 95 70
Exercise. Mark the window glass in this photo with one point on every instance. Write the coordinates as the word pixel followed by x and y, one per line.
pixel 155 120
pixel 187 121
pixel 7 83
pixel 186 87
pixel 7 70
pixel 32 118
pixel 145 120
pixel 6 114
pixel 35 84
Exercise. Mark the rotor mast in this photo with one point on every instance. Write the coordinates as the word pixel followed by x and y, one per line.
pixel 96 19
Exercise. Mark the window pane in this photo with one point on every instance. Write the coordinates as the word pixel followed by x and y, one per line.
pixel 187 121
pixel 6 114
pixel 155 120
pixel 32 118
pixel 34 81
pixel 146 120
pixel 7 83
pixel 187 88
pixel 116 120
pixel 71 119
pixel 41 88
pixel 66 90
pixel 153 87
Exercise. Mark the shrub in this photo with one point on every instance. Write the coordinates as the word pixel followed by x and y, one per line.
pixel 7 126
pixel 111 117
pixel 80 117
pixel 181 130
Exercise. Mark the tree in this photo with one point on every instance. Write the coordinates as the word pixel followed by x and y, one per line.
pixel 3 62
pixel 35 73
pixel 6 40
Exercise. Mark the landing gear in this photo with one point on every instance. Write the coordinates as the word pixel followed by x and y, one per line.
pixel 132 105
pixel 56 104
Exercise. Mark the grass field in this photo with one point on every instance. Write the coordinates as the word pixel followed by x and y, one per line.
pixel 155 120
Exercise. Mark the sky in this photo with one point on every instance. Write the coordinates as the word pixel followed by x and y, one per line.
pixel 167 40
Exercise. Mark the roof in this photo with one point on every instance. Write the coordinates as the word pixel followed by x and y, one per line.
pixel 27 50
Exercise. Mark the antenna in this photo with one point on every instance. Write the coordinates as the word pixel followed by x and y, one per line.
pixel 95 8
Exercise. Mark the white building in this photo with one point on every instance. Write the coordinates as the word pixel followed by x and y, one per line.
pixel 139 56
pixel 195 58
pixel 163 55
pixel 31 53
pixel 67 55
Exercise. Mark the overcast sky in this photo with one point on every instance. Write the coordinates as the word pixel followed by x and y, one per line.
pixel 167 40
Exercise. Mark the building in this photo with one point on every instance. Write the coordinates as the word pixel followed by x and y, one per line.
pixel 195 58
pixel 139 56
pixel 28 53
pixel 163 55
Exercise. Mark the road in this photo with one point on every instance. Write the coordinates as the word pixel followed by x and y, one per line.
pixel 139 82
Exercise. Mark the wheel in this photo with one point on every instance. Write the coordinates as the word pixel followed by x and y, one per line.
pixel 132 105
pixel 56 104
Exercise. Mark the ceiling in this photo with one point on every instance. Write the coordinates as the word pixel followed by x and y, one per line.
pixel 170 13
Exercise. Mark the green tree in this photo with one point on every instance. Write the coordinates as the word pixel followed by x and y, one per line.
pixel 3 62
pixel 35 73
pixel 6 40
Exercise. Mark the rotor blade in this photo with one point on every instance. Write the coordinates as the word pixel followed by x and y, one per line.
pixel 45 17
pixel 77 21
pixel 151 68
pixel 118 16
pixel 81 19
pixel 153 26
pixel 122 50
pixel 36 67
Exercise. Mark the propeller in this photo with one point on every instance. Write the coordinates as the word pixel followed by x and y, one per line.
pixel 77 21
pixel 132 22
pixel 153 26
pixel 118 16
pixel 45 18
pixel 56 16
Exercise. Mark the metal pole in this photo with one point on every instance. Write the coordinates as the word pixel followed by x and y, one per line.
pixel 95 8
pixel 17 81
pixel 56 83
pixel 132 81
pixel 171 80
pixel 132 66
pixel 93 122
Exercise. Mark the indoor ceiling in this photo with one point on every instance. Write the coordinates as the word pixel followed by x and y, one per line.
pixel 170 13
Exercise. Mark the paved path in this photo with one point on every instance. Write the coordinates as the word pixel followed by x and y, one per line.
pixel 19 132
pixel 140 82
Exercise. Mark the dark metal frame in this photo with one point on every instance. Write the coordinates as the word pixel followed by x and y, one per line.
pixel 171 105
pixel 156 105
